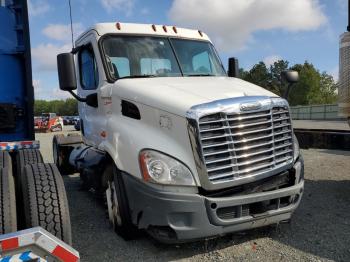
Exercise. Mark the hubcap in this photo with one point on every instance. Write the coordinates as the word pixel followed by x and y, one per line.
pixel 112 203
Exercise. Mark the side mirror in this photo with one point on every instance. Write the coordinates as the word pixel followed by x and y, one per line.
pixel 291 77
pixel 66 72
pixel 233 68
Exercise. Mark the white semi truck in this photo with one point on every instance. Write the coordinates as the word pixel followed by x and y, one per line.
pixel 178 146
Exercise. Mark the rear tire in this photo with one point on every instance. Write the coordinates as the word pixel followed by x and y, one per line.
pixel 28 156
pixel 8 215
pixel 5 160
pixel 24 157
pixel 45 201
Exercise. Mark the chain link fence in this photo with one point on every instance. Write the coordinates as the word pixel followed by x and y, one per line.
pixel 316 112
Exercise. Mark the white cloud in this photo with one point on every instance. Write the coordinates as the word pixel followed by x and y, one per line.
pixel 59 94
pixel 46 55
pixel 335 73
pixel 48 93
pixel 37 86
pixel 270 60
pixel 38 7
pixel 231 23
pixel 62 32
pixel 120 5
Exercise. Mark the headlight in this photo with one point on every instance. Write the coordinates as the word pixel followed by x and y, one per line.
pixel 160 168
pixel 296 148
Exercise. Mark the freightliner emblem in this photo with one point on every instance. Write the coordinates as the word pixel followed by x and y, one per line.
pixel 250 106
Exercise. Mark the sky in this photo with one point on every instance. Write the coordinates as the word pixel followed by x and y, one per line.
pixel 251 30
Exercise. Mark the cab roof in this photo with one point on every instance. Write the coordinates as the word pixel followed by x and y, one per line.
pixel 146 29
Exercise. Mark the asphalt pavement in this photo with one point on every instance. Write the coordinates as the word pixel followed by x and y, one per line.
pixel 319 230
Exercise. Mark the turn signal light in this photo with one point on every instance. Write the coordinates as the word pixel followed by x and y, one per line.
pixel 154 28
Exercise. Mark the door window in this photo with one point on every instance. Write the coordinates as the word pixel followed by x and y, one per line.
pixel 88 69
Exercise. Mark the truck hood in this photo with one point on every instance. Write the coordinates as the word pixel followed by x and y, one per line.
pixel 178 94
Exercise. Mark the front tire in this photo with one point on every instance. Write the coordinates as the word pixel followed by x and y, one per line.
pixel 118 207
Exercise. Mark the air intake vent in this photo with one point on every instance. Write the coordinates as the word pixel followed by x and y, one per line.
pixel 130 110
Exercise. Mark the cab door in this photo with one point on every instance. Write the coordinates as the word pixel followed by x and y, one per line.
pixel 89 82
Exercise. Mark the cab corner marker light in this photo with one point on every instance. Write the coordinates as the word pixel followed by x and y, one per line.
pixel 200 32
pixel 118 26
pixel 174 29
pixel 154 28
pixel 143 166
pixel 164 28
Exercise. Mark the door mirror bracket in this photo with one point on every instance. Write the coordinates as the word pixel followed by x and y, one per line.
pixel 68 81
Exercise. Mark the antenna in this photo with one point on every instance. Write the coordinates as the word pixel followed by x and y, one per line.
pixel 71 22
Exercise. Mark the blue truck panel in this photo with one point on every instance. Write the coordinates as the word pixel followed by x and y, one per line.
pixel 16 90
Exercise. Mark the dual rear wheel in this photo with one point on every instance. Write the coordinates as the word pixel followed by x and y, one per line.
pixel 39 193
pixel 8 214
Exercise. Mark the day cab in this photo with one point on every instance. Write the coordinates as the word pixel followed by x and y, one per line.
pixel 178 146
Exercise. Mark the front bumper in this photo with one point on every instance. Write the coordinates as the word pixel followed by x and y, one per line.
pixel 179 217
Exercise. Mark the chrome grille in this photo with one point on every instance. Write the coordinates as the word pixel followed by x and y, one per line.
pixel 242 144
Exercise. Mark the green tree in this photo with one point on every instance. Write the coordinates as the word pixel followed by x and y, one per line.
pixel 69 107
pixel 276 70
pixel 313 87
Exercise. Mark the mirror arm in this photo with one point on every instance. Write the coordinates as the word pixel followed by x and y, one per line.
pixel 80 99
pixel 286 93
pixel 77 49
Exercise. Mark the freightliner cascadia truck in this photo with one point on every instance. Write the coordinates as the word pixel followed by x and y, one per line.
pixel 32 194
pixel 178 146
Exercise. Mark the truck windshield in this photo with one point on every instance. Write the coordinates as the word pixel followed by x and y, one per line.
pixel 146 56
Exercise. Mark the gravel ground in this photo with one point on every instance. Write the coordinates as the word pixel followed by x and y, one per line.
pixel 319 231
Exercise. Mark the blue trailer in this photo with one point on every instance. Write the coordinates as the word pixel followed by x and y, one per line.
pixel 32 193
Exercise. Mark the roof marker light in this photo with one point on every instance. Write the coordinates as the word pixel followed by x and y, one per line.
pixel 164 28
pixel 154 28
pixel 118 26
pixel 174 29
pixel 200 32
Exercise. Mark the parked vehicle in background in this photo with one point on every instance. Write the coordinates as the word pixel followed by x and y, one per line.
pixel 76 118
pixel 177 147
pixel 67 120
pixel 49 122
pixel 77 125
pixel 70 120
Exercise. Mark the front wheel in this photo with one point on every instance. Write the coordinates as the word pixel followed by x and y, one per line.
pixel 118 207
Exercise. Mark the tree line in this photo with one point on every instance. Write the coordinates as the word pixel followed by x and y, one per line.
pixel 314 87
pixel 68 107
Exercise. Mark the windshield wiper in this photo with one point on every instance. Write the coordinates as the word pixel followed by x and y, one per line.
pixel 200 75
pixel 137 76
